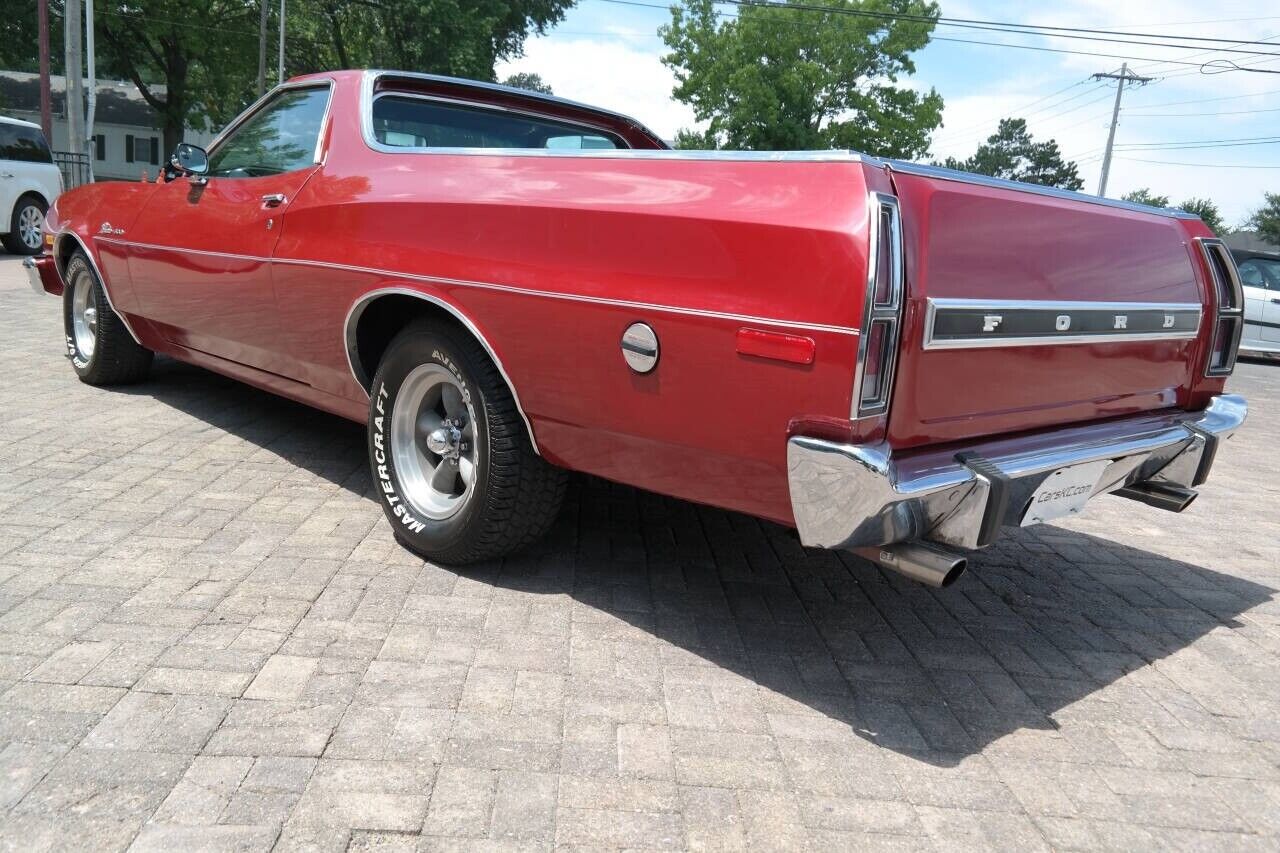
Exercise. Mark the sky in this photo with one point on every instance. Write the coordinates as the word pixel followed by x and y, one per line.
pixel 608 54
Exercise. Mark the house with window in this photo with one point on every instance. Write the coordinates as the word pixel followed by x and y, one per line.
pixel 127 135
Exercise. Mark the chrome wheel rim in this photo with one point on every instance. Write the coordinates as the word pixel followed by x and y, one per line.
pixel 433 444
pixel 84 315
pixel 30 221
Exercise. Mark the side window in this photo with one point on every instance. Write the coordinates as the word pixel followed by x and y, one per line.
pixel 1251 274
pixel 280 137
pixel 1270 274
pixel 22 143
pixel 1259 272
pixel 411 122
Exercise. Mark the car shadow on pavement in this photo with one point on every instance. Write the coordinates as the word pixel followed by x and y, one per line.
pixel 747 629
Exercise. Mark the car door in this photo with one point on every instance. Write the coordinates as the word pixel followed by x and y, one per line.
pixel 1255 298
pixel 13 165
pixel 1271 301
pixel 199 253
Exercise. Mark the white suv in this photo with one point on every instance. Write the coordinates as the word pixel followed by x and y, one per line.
pixel 29 183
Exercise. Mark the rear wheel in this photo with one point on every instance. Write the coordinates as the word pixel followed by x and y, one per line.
pixel 25 226
pixel 100 347
pixel 451 460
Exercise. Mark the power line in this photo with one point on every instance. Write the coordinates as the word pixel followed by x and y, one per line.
pixel 1184 115
pixel 1204 165
pixel 831 10
pixel 1003 26
pixel 1211 100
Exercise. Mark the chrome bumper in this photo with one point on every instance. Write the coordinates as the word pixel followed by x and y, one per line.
pixel 848 496
pixel 33 275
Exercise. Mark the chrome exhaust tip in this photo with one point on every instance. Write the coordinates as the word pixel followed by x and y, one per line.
pixel 919 561
pixel 1160 495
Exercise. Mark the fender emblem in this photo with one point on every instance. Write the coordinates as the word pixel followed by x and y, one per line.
pixel 106 228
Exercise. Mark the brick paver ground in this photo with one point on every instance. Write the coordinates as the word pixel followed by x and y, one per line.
pixel 209 641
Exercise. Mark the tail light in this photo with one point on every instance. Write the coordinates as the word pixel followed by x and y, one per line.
pixel 881 318
pixel 1228 321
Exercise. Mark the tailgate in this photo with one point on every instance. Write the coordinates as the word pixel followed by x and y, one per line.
pixel 1029 309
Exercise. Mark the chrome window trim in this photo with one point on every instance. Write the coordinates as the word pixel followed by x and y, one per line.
pixel 93 262
pixel 349 343
pixel 506 288
pixel 1014 305
pixel 368 83
pixel 318 157
pixel 944 174
pixel 890 313
pixel 497 108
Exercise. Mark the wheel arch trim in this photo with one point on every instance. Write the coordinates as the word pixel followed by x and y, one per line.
pixel 350 343
pixel 93 262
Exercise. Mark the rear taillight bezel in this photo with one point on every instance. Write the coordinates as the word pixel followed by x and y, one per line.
pixel 882 312
pixel 1228 297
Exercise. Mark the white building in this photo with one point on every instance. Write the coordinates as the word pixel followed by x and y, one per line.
pixel 128 139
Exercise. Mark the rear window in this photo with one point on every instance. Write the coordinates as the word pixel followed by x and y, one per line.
pixel 27 144
pixel 403 121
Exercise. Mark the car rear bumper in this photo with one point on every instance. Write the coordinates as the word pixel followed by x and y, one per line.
pixel 42 275
pixel 849 496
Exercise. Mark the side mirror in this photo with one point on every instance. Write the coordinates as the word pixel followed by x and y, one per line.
pixel 189 159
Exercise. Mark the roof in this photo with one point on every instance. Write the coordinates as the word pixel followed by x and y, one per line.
pixel 119 101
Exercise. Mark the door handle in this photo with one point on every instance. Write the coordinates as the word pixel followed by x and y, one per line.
pixel 1275 301
pixel 6 174
pixel 274 199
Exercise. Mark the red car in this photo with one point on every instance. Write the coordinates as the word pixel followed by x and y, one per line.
pixel 505 286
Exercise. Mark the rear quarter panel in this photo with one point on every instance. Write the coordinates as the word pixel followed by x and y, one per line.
pixel 553 257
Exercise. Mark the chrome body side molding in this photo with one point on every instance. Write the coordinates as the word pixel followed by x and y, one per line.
pixel 353 362
pixel 848 496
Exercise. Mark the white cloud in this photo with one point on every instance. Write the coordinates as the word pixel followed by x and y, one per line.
pixel 608 72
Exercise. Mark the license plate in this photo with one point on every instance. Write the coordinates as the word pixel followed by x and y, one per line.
pixel 1064 492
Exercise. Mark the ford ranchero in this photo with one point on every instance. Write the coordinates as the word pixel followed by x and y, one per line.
pixel 890 357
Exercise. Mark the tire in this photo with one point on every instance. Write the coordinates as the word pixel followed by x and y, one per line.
pixel 101 349
pixel 25 236
pixel 418 427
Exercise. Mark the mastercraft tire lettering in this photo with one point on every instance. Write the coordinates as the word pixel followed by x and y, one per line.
pixel 451 462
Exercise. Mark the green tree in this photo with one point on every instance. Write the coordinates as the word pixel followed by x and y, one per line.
pixel 464 38
pixel 530 81
pixel 194 70
pixel 791 78
pixel 1146 196
pixel 1266 219
pixel 1011 153
pixel 1208 212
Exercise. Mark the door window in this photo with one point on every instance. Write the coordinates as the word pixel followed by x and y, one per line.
pixel 22 143
pixel 408 122
pixel 281 137
pixel 1257 272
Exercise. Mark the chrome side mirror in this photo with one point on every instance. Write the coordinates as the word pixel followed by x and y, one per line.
pixel 189 159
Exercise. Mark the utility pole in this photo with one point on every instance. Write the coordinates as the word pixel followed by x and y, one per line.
pixel 1124 75
pixel 280 63
pixel 93 85
pixel 264 13
pixel 73 22
pixel 46 100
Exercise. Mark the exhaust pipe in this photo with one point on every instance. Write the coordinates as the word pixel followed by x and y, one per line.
pixel 919 561
pixel 1160 495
